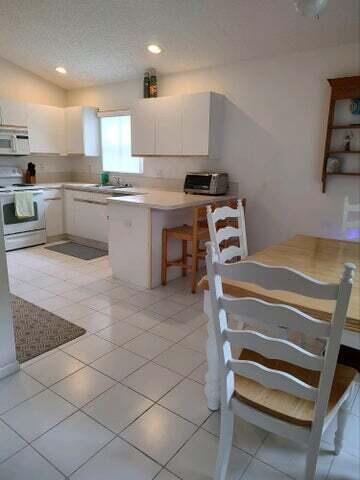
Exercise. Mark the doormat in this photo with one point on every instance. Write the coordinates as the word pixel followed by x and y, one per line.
pixel 76 250
pixel 37 331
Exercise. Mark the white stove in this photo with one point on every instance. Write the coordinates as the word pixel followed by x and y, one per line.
pixel 24 232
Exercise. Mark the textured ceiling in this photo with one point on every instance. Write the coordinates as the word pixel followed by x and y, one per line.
pixel 101 41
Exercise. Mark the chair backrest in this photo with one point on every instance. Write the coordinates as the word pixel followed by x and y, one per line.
pixel 200 213
pixel 348 221
pixel 279 315
pixel 227 224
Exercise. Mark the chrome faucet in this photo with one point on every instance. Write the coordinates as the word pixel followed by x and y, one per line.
pixel 117 180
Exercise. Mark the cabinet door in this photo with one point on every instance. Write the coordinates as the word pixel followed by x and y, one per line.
pixel 168 126
pixel 143 115
pixel 46 129
pixel 74 130
pixel 90 217
pixel 196 124
pixel 13 113
pixel 69 212
pixel 91 132
pixel 54 216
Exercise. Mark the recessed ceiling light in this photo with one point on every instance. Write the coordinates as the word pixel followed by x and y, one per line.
pixel 61 70
pixel 154 49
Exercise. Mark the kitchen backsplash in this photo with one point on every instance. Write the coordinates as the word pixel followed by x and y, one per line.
pixel 161 173
pixel 49 168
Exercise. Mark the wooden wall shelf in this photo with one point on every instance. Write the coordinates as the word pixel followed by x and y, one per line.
pixel 352 174
pixel 343 151
pixel 345 127
pixel 344 88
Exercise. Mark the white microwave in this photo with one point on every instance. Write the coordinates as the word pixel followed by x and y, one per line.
pixel 14 140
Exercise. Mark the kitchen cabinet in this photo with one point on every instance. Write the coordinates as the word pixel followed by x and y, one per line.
pixel 143 127
pixel 82 131
pixel 168 138
pixel 181 125
pixel 46 129
pixel 13 113
pixel 54 212
pixel 69 214
pixel 86 215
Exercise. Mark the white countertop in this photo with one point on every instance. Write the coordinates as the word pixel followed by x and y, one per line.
pixel 143 197
pixel 164 200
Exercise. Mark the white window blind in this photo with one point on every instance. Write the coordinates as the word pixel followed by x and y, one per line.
pixel 116 143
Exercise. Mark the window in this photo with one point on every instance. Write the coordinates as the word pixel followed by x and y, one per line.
pixel 116 145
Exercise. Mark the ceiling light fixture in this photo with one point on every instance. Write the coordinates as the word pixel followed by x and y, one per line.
pixel 61 70
pixel 154 49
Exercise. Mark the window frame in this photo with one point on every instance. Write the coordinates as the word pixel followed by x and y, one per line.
pixel 117 113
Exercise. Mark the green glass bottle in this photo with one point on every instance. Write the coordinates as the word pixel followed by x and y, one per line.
pixel 146 85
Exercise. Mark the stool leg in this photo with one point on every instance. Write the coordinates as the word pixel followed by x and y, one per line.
pixel 184 257
pixel 194 261
pixel 197 258
pixel 164 257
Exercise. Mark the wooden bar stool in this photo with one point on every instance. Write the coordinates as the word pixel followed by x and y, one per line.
pixel 195 233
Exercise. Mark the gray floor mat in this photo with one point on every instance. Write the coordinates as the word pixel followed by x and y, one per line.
pixel 79 251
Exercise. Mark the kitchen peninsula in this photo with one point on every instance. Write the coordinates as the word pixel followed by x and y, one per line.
pixel 136 222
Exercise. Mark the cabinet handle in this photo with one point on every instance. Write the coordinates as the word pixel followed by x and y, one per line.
pixel 93 202
pixel 54 198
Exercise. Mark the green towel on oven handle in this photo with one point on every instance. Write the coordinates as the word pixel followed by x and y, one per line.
pixel 24 204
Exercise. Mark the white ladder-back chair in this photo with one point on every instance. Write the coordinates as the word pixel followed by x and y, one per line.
pixel 276 384
pixel 348 221
pixel 235 216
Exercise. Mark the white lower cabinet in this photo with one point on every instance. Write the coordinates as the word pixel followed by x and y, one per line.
pixel 54 212
pixel 86 215
pixel 69 212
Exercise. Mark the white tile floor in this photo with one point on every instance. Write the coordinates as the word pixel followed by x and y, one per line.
pixel 125 401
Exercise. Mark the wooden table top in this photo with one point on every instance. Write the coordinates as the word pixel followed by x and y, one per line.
pixel 321 258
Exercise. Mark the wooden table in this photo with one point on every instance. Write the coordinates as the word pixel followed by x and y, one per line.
pixel 321 258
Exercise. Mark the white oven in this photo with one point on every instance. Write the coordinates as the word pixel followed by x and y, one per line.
pixel 22 232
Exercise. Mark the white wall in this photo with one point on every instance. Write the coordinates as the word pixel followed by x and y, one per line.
pixel 275 119
pixel 19 84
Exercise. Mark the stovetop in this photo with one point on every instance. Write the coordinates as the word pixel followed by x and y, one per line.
pixel 17 187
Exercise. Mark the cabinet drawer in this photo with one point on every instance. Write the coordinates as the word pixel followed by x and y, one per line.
pixel 53 194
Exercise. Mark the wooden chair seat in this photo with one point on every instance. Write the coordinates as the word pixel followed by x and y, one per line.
pixel 282 405
pixel 185 232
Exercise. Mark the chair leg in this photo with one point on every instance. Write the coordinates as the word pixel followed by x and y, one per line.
pixel 197 258
pixel 341 424
pixel 184 257
pixel 164 257
pixel 225 444
pixel 194 254
pixel 312 458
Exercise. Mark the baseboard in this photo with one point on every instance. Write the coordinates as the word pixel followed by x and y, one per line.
pixel 56 238
pixel 9 369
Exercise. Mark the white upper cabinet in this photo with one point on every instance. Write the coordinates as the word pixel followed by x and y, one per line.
pixel 181 125
pixel 143 127
pixel 82 131
pixel 196 123
pixel 13 113
pixel 168 126
pixel 46 129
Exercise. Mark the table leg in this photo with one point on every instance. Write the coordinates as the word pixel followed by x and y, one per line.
pixel 212 378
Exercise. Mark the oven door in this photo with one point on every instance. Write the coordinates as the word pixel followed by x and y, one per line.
pixel 12 224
